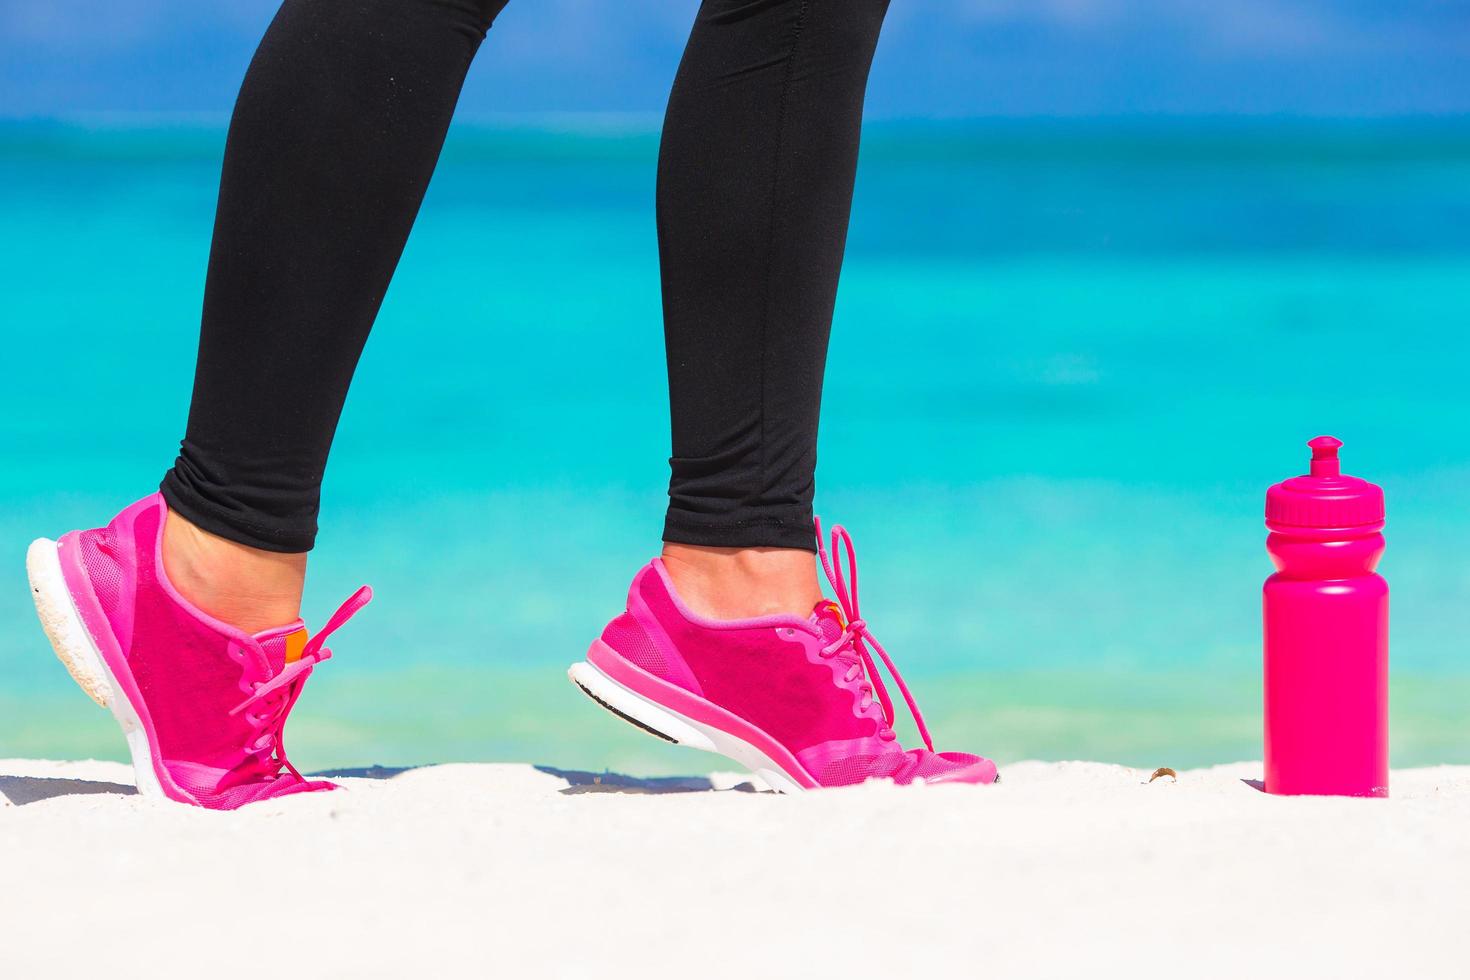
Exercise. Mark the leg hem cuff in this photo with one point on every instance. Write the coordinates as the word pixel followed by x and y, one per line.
pixel 231 526
pixel 753 533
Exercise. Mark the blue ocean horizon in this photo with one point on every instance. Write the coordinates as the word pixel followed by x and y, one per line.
pixel 1068 358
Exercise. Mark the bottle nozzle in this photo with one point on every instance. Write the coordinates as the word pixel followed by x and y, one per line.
pixel 1324 456
pixel 1326 499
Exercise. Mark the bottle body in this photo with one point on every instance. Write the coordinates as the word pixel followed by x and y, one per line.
pixel 1326 663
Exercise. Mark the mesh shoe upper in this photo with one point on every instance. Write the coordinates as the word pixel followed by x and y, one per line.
pixel 810 685
pixel 195 681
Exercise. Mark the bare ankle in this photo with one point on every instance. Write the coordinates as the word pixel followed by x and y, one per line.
pixel 246 587
pixel 738 583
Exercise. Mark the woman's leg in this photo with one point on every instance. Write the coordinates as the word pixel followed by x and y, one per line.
pixel 336 131
pixel 755 181
pixel 335 134
pixel 755 184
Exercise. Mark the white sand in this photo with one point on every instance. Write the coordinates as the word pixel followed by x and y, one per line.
pixel 1068 869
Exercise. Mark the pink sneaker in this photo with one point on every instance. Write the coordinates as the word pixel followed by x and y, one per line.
pixel 788 698
pixel 203 705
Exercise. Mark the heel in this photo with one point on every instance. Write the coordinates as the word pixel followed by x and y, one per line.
pixel 64 628
pixel 78 652
pixel 665 721
pixel 635 710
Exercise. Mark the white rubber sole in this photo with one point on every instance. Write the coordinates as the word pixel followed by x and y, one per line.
pixel 674 727
pixel 78 652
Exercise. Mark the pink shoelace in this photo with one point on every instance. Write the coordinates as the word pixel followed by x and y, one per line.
pixel 276 697
pixel 856 633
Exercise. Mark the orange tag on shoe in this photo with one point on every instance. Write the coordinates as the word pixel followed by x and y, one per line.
pixel 837 611
pixel 295 644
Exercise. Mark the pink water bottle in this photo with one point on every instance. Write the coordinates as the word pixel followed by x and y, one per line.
pixel 1326 614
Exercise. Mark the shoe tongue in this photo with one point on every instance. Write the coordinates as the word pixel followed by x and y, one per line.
pixel 282 644
pixel 827 618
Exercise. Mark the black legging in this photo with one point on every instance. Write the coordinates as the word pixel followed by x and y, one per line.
pixel 335 134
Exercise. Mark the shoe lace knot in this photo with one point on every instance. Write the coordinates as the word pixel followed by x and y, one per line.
pixel 856 638
pixel 270 702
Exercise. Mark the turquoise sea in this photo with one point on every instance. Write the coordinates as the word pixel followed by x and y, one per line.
pixel 1068 359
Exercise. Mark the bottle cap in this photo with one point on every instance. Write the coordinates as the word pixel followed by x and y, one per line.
pixel 1324 498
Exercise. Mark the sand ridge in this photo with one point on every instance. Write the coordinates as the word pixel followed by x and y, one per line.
pixel 1064 869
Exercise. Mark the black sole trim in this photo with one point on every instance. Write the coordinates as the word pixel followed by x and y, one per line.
pixel 628 718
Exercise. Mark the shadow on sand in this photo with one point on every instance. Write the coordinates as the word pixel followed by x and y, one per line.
pixel 24 790
pixel 613 782
pixel 581 782
pixel 363 772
